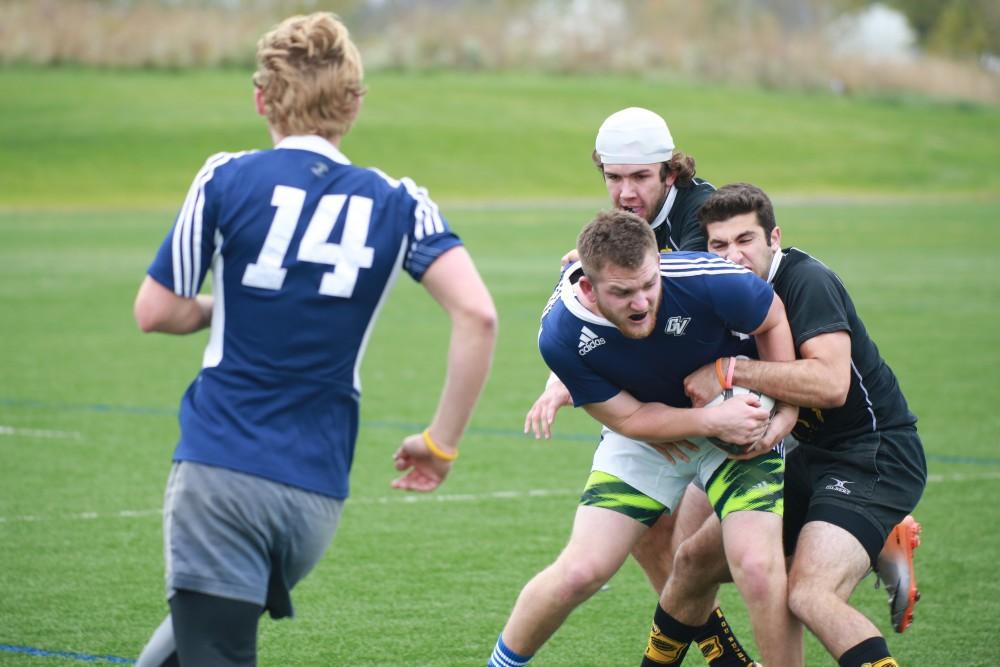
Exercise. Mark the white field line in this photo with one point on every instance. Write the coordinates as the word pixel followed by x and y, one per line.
pixel 403 498
pixel 411 498
pixel 39 433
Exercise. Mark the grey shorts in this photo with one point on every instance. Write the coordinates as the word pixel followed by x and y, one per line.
pixel 242 537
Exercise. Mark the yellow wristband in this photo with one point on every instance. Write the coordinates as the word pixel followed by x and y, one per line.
pixel 435 450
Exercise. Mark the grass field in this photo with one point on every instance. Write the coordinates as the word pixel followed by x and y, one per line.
pixel 87 404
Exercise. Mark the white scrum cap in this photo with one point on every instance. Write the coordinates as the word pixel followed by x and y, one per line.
pixel 634 136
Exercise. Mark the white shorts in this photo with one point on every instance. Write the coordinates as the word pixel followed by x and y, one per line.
pixel 648 471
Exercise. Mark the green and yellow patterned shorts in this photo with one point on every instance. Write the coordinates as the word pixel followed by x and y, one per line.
pixel 757 484
pixel 609 492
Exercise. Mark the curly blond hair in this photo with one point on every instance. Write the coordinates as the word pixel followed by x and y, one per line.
pixel 310 75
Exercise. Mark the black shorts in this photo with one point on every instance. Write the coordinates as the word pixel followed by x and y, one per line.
pixel 865 485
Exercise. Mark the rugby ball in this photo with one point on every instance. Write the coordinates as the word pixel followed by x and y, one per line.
pixel 766 402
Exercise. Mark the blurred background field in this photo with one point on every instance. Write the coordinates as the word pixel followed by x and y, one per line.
pixel 897 190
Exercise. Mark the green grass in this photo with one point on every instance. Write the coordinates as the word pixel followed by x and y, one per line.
pixel 435 579
pixel 132 138
pixel 91 166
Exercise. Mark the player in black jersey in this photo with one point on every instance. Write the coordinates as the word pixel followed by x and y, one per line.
pixel 647 176
pixel 859 468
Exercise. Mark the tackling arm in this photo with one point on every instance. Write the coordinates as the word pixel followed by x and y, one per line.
pixel 820 379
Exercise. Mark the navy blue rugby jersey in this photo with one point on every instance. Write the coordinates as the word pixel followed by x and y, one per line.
pixel 303 247
pixel 706 301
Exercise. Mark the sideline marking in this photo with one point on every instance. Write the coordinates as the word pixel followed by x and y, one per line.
pixel 39 433
pixel 86 657
pixel 409 498
pixel 402 497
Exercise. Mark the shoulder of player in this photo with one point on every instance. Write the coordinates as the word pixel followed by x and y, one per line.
pixel 798 264
pixel 225 161
pixel 688 264
pixel 696 190
pixel 801 273
pixel 690 198
pixel 559 326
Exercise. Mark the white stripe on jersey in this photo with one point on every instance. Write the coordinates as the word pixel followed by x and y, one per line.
pixel 212 356
pixel 378 308
pixel 718 271
pixel 698 266
pixel 868 400
pixel 186 241
pixel 427 216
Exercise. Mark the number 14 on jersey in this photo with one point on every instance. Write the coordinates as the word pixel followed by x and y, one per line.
pixel 348 256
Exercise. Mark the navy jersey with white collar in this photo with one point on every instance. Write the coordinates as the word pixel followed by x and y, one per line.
pixel 303 248
pixel 706 300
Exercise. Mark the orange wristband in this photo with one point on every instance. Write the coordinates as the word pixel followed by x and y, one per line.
pixel 434 449
pixel 729 373
pixel 719 374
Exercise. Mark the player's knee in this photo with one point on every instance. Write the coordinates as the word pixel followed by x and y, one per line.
pixel 757 573
pixel 701 561
pixel 803 598
pixel 582 577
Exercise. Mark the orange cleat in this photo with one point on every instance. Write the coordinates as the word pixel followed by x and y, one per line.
pixel 895 570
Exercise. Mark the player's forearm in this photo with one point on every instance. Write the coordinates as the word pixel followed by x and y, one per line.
pixel 159 309
pixel 657 422
pixel 470 354
pixel 804 382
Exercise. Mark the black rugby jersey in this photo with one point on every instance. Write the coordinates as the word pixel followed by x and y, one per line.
pixel 817 302
pixel 676 225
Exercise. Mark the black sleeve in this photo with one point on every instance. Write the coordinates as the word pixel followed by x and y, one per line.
pixel 815 300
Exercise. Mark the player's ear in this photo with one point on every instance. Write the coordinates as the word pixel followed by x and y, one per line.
pixel 775 237
pixel 258 101
pixel 587 289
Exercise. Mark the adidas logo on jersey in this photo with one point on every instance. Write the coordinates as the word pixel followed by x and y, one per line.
pixel 588 341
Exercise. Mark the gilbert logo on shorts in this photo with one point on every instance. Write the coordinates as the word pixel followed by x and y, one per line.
pixel 588 341
pixel 840 486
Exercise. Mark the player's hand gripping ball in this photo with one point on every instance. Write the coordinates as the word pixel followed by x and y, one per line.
pixel 765 401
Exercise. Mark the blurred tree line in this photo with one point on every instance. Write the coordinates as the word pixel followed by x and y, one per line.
pixel 939 47
pixel 954 27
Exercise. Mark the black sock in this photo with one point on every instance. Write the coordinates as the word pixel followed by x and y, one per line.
pixel 719 645
pixel 668 640
pixel 872 651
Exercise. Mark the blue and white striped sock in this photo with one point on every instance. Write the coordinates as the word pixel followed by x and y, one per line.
pixel 504 657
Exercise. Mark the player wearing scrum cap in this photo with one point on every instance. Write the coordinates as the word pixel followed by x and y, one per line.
pixel 647 176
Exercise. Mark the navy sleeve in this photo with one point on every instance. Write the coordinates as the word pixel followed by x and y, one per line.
pixel 741 300
pixel 185 255
pixel 429 233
